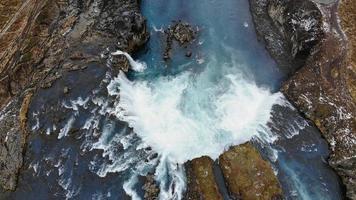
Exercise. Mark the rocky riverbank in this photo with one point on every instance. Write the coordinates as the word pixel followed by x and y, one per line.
pixel 43 44
pixel 309 40
pixel 42 40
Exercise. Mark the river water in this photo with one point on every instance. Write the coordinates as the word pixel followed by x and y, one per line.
pixel 115 129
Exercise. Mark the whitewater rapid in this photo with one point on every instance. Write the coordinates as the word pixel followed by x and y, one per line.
pixel 193 115
pixel 190 115
pixel 175 111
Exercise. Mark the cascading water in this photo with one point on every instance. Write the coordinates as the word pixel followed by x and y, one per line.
pixel 192 114
pixel 119 129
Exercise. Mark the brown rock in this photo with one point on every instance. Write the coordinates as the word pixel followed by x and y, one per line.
pixel 24 112
pixel 150 187
pixel 201 180
pixel 324 91
pixel 347 13
pixel 247 175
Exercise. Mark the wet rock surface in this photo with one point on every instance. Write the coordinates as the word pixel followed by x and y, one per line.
pixel 42 40
pixel 247 175
pixel 201 180
pixel 323 89
pixel 13 139
pixel 57 50
pixel 181 32
pixel 151 188
pixel 290 29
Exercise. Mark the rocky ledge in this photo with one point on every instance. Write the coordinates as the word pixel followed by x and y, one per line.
pixel 42 40
pixel 308 39
pixel 245 173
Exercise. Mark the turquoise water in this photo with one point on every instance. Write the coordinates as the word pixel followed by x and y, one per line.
pixel 226 34
pixel 115 130
pixel 230 71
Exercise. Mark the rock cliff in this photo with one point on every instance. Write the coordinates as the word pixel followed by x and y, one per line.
pixel 323 87
pixel 41 40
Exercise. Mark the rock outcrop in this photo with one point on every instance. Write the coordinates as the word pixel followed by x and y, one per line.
pixel 289 28
pixel 247 175
pixel 151 188
pixel 323 89
pixel 41 40
pixel 201 180
pixel 181 32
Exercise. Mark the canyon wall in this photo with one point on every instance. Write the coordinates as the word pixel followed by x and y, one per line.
pixel 307 41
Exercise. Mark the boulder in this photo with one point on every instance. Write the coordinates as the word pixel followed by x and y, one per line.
pixel 201 182
pixel 247 175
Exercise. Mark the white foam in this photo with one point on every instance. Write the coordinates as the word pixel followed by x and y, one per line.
pixel 177 183
pixel 129 188
pixel 135 65
pixel 188 116
pixel 65 130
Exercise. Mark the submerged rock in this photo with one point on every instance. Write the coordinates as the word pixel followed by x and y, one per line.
pixel 247 175
pixel 42 40
pixel 324 87
pixel 201 180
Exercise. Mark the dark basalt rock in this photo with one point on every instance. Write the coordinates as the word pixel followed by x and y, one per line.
pixel 42 40
pixel 290 29
pixel 323 88
pixel 181 32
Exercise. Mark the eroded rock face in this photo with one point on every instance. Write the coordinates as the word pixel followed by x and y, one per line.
pixel 347 10
pixel 289 28
pixel 322 90
pixel 201 180
pixel 13 139
pixel 247 175
pixel 41 40
pixel 324 87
